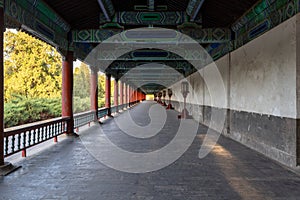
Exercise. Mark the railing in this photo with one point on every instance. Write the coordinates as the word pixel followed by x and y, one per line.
pixel 20 138
pixel 113 109
pixel 123 106
pixel 133 103
pixel 102 112
pixel 84 118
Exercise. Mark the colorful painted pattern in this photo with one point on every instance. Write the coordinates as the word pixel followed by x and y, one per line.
pixel 39 20
pixel 261 18
pixel 192 9
pixel 93 35
pixel 150 18
pixel 198 34
pixel 184 67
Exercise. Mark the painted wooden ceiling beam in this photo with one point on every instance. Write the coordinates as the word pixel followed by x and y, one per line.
pixel 107 9
pixel 194 8
pixel 201 35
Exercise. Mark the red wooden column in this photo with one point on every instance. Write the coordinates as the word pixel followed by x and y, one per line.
pixel 94 91
pixel 116 94
pixel 132 95
pixel 67 90
pixel 108 94
pixel 136 95
pixel 121 93
pixel 128 95
pixel 2 88
pixel 125 93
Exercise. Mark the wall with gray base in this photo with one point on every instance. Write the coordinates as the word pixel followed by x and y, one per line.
pixel 258 93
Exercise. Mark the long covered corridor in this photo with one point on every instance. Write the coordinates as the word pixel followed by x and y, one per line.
pixel 224 122
pixel 229 171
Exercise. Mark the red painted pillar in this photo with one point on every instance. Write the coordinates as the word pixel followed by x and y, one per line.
pixel 136 96
pixel 94 91
pixel 133 94
pixel 125 93
pixel 121 93
pixel 2 88
pixel 116 94
pixel 130 94
pixel 108 94
pixel 67 90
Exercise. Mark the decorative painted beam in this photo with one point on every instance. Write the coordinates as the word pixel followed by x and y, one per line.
pixel 219 50
pixel 39 19
pixel 263 17
pixel 193 8
pixel 150 18
pixel 122 67
pixel 146 55
pixel 201 57
pixel 107 9
pixel 93 35
pixel 151 5
pixel 38 10
pixel 207 35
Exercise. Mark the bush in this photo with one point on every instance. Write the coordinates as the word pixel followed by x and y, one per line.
pixel 81 104
pixel 101 103
pixel 22 111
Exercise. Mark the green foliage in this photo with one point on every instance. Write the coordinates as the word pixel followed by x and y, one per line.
pixel 22 110
pixel 101 102
pixel 32 68
pixel 81 104
pixel 33 81
pixel 81 90
pixel 101 87
pixel 82 81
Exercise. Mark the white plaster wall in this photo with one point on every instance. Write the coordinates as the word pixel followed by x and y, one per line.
pixel 199 91
pixel 263 73
pixel 260 78
pixel 216 83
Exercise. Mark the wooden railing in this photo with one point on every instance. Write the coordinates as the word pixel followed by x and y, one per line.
pixel 102 112
pixel 20 138
pixel 84 118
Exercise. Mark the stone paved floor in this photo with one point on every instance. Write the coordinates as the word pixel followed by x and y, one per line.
pixel 230 171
